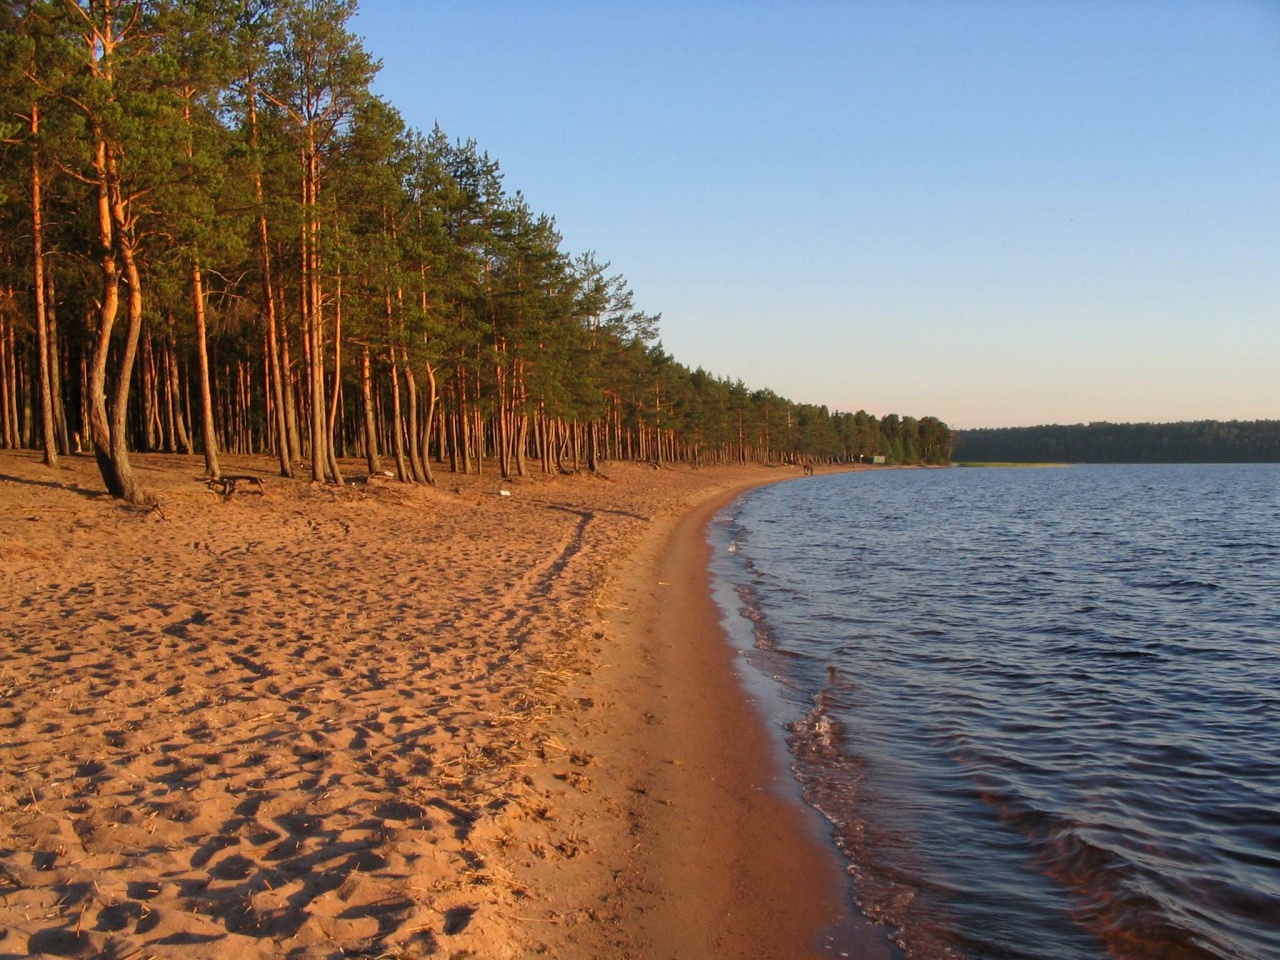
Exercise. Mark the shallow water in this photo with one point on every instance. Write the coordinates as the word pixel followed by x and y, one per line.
pixel 1041 707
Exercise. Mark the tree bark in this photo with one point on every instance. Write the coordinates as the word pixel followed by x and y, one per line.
pixel 428 424
pixel 593 458
pixel 312 324
pixel 330 447
pixel 8 433
pixel 208 429
pixel 131 490
pixel 42 323
pixel 415 449
pixel 397 424
pixel 55 365
pixel 277 375
pixel 108 309
pixel 370 424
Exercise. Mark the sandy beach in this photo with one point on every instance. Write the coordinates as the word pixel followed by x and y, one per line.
pixel 393 721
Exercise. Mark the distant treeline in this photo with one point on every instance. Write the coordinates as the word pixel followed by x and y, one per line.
pixel 215 237
pixel 1199 441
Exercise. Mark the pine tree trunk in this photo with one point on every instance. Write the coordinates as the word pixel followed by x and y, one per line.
pixel 593 458
pixel 85 378
pixel 178 395
pixel 131 491
pixel 55 366
pixel 463 430
pixel 415 450
pixel 153 429
pixel 25 390
pixel 544 423
pixel 330 446
pixel 504 439
pixel 277 387
pixel 312 319
pixel 397 423
pixel 293 427
pixel 522 437
pixel 169 392
pixel 370 425
pixel 8 436
pixel 208 434
pixel 427 425
pixel 453 441
pixel 108 305
pixel 42 321
pixel 441 431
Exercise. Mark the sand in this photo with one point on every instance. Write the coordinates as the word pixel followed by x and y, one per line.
pixel 387 721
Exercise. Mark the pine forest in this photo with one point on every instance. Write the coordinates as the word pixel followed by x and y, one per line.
pixel 214 238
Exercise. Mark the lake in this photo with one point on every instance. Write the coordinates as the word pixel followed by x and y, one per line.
pixel 1040 707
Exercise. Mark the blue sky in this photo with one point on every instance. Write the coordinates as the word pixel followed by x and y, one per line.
pixel 997 213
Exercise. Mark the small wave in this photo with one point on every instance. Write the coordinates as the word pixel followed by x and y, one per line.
pixel 887 887
pixel 1179 584
pixel 762 635
pixel 1117 898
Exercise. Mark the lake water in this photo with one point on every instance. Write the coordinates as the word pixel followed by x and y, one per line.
pixel 1041 707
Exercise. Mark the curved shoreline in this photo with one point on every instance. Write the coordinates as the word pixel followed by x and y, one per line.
pixel 734 859
pixel 720 859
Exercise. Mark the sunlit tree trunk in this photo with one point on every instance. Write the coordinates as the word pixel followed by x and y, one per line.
pixel 370 421
pixel 208 434
pixel 48 436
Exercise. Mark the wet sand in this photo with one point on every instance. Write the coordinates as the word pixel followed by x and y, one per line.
pixel 386 721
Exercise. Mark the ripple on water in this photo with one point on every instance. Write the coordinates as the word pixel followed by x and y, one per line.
pixel 1038 706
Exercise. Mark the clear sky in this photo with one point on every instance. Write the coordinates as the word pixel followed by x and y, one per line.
pixel 997 213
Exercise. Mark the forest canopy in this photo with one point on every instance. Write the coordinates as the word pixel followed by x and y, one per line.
pixel 1200 441
pixel 216 238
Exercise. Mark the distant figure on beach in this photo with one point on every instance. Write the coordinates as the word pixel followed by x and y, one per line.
pixel 808 469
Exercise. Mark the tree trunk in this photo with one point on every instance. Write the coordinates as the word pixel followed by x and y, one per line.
pixel 504 437
pixel 8 436
pixel 278 386
pixel 453 441
pixel 370 423
pixel 55 365
pixel 522 438
pixel 42 322
pixel 464 424
pixel 397 424
pixel 208 434
pixel 173 380
pixel 427 426
pixel 108 308
pixel 593 458
pixel 313 328
pixel 131 491
pixel 330 446
pixel 153 429
pixel 293 428
pixel 415 449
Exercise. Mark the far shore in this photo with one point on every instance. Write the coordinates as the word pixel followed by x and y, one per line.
pixel 999 463
pixel 383 720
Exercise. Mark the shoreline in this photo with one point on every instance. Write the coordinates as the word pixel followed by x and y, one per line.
pixel 730 863
pixel 310 722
